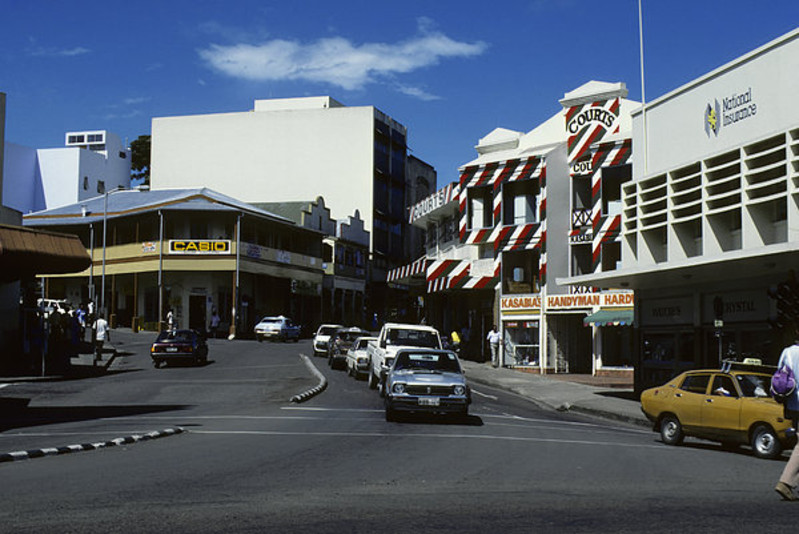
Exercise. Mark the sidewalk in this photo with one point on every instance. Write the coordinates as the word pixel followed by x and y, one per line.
pixel 576 393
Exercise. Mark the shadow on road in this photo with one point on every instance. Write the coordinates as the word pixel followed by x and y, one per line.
pixel 17 413
pixel 436 419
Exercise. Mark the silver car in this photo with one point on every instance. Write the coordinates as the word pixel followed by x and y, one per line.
pixel 427 381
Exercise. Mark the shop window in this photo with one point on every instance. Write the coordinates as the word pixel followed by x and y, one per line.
pixel 521 343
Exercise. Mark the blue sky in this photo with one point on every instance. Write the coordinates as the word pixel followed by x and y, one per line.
pixel 449 71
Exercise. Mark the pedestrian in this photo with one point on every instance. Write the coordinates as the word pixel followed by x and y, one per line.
pixel 790 474
pixel 170 320
pixel 456 341
pixel 102 334
pixel 81 315
pixel 493 339
pixel 214 323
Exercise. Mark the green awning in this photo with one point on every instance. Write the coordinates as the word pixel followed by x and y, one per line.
pixel 610 317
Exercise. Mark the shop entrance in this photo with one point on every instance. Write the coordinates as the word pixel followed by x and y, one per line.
pixel 197 312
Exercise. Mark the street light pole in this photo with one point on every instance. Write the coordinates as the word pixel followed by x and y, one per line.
pixel 105 227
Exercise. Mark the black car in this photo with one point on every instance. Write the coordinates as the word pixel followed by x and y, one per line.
pixel 340 342
pixel 179 346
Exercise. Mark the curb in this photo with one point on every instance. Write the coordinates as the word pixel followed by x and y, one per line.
pixel 304 396
pixel 55 451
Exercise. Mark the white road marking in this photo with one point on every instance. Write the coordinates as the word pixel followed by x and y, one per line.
pixel 486 395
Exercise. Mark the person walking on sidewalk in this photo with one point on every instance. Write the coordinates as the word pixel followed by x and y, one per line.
pixel 790 475
pixel 103 333
pixel 493 339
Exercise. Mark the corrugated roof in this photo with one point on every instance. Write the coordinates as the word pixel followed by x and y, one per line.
pixel 132 201
pixel 27 252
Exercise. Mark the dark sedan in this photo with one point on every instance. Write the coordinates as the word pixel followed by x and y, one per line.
pixel 179 346
pixel 340 342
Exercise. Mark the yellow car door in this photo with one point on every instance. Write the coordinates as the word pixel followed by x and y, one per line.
pixel 687 400
pixel 721 410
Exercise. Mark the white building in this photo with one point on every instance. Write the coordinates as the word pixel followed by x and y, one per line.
pixel 710 220
pixel 90 163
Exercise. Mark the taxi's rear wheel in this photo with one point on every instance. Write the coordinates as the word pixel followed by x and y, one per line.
pixel 765 443
pixel 671 430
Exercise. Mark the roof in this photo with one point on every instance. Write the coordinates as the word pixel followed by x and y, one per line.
pixel 27 252
pixel 133 201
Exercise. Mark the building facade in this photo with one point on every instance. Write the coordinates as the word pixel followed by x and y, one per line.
pixel 189 251
pixel 533 206
pixel 90 163
pixel 710 221
pixel 345 258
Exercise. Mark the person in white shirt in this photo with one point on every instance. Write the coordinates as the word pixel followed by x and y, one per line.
pixel 790 475
pixel 493 338
pixel 102 334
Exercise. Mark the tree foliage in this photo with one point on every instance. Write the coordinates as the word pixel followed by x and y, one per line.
pixel 140 159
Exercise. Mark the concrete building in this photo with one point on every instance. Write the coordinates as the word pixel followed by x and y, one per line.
pixel 90 163
pixel 710 220
pixel 189 250
pixel 292 149
pixel 533 206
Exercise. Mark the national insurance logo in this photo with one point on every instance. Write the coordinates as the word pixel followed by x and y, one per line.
pixel 713 119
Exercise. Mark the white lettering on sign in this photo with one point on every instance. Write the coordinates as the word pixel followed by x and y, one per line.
pixel 431 203
pixel 580 168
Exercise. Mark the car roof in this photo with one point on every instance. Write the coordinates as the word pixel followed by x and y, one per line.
pixel 731 372
pixel 406 326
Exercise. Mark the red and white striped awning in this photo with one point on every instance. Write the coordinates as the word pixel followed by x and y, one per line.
pixel 406 272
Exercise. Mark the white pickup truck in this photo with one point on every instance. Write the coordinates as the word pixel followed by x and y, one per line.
pixel 392 337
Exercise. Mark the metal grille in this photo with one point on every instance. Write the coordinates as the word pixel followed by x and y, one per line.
pixel 428 390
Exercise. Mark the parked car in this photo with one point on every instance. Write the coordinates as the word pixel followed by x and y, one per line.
pixel 340 342
pixel 179 346
pixel 321 338
pixel 357 360
pixel 426 380
pixel 277 328
pixel 54 305
pixel 731 406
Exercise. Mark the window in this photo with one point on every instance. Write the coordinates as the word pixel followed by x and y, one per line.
pixel 75 139
pixel 85 183
pixel 723 386
pixel 480 207
pixel 695 383
pixel 327 253
pixel 520 200
pixel 101 186
pixel 95 138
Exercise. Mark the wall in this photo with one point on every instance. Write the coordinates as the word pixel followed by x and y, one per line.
pixel 264 156
pixel 765 81
pixel 22 188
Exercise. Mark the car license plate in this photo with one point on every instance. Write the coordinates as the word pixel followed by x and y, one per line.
pixel 428 401
pixel 171 349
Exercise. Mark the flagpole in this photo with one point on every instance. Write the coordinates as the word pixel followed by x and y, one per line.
pixel 643 91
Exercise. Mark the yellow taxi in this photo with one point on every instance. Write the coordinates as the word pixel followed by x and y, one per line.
pixel 729 405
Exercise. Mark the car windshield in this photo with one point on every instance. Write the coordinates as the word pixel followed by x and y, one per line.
pixel 754 385
pixel 427 361
pixel 180 336
pixel 413 338
pixel 327 330
pixel 270 320
pixel 362 344
pixel 349 337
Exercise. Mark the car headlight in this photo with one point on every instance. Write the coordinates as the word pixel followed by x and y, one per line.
pixel 459 390
pixel 398 388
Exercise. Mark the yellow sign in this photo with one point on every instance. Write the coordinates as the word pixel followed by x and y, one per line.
pixel 199 246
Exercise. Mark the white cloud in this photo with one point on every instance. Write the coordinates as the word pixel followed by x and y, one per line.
pixel 59 52
pixel 337 60
pixel 417 92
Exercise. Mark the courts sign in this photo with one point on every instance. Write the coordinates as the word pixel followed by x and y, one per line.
pixel 199 246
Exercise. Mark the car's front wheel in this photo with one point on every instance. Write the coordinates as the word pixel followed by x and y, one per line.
pixel 372 380
pixel 765 443
pixel 671 430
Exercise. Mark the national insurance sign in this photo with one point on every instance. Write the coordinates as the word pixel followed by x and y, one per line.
pixel 199 246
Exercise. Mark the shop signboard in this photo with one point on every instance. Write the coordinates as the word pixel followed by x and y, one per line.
pixel 199 246
pixel 665 312
pixel 737 307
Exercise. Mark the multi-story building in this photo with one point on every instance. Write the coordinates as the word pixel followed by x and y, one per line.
pixel 294 149
pixel 345 258
pixel 90 163
pixel 188 250
pixel 533 206
pixel 710 220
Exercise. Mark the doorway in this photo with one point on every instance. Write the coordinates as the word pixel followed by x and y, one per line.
pixel 197 312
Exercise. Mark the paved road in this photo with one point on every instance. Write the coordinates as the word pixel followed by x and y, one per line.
pixel 252 461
